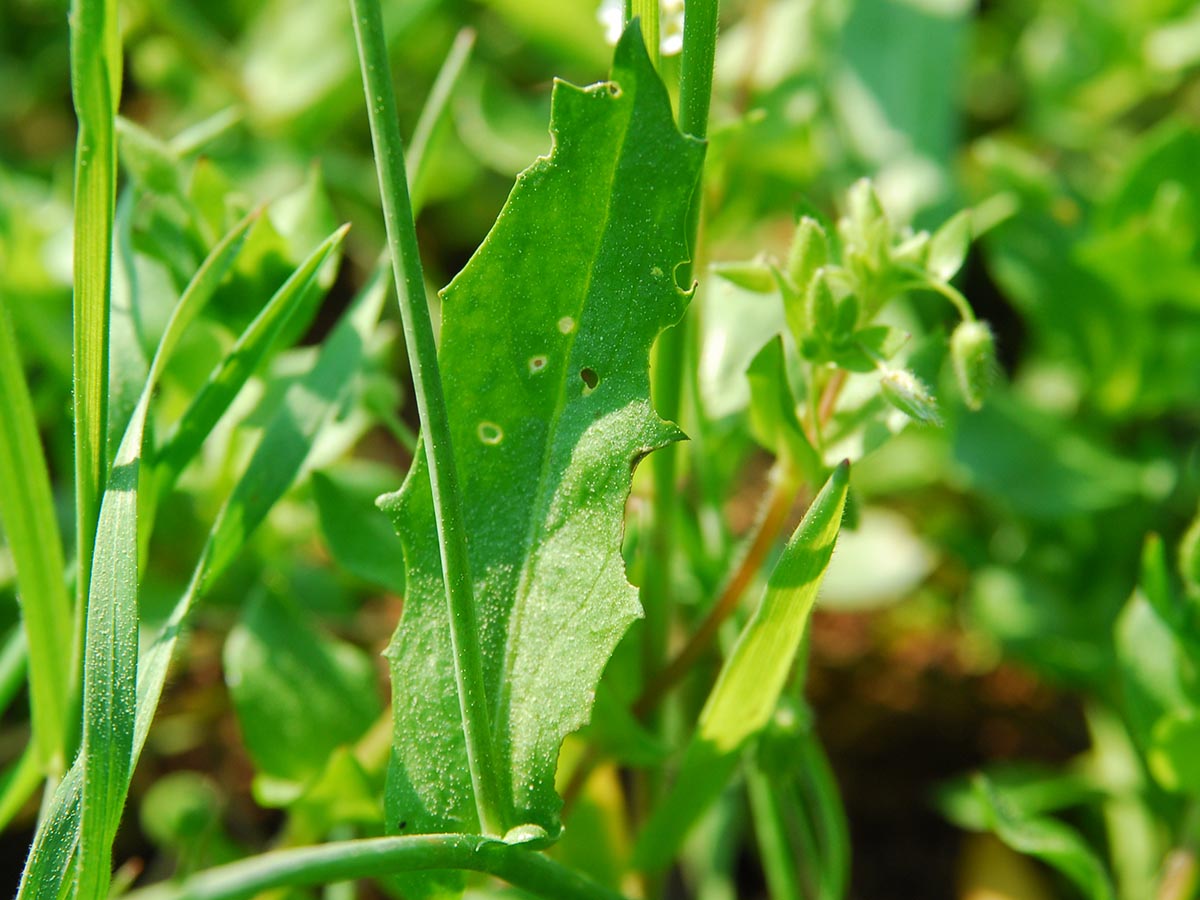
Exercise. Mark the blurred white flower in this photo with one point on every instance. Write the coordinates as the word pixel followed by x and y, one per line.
pixel 611 15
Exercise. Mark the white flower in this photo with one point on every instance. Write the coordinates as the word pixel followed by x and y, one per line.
pixel 611 16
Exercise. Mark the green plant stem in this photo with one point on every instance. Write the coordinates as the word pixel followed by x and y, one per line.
pixel 948 291
pixel 431 404
pixel 646 12
pixel 774 516
pixel 95 91
pixel 695 95
pixel 771 521
pixel 373 857
pixel 696 70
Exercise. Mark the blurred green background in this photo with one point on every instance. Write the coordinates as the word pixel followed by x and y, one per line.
pixel 970 618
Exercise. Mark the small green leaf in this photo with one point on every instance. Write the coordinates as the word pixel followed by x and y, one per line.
pixel 948 247
pixel 544 356
pixel 773 418
pixel 359 536
pixel 754 275
pixel 820 306
pixel 298 694
pixel 808 253
pixel 1047 839
pixel 750 683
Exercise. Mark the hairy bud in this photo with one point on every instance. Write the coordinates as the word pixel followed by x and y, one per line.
pixel 905 391
pixel 973 352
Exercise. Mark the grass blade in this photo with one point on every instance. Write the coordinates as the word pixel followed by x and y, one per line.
pixel 18 784
pixel 110 663
pixel 111 650
pixel 280 454
pixel 433 113
pixel 86 807
pixel 95 90
pixel 251 349
pixel 27 511
pixel 749 685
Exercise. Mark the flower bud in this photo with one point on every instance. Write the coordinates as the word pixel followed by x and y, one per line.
pixel 973 352
pixel 905 391
pixel 809 251
pixel 820 308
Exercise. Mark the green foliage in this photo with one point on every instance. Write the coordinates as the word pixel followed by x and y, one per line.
pixel 752 679
pixel 1010 621
pixel 545 463
pixel 298 694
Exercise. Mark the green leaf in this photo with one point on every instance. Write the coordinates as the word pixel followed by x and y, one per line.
pixel 750 683
pixel 773 417
pixel 298 694
pixel 948 247
pixel 1049 840
pixel 753 275
pixel 27 513
pixel 548 413
pixel 359 536
pixel 280 454
pixel 251 349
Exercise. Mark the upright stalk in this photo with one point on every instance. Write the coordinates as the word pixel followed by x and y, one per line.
pixel 95 92
pixel 695 94
pixel 431 404
pixel 646 12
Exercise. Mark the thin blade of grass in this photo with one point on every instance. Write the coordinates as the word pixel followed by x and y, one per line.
pixel 750 682
pixel 95 90
pixel 27 511
pixel 18 784
pixel 86 807
pixel 251 349
pixel 280 455
pixel 111 645
pixel 14 659
pixel 433 114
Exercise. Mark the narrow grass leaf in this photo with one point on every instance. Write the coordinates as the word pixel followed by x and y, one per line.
pixel 753 677
pixel 281 453
pixel 433 116
pixel 548 414
pixel 1051 841
pixel 95 91
pixel 88 803
pixel 248 353
pixel 111 645
pixel 27 513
